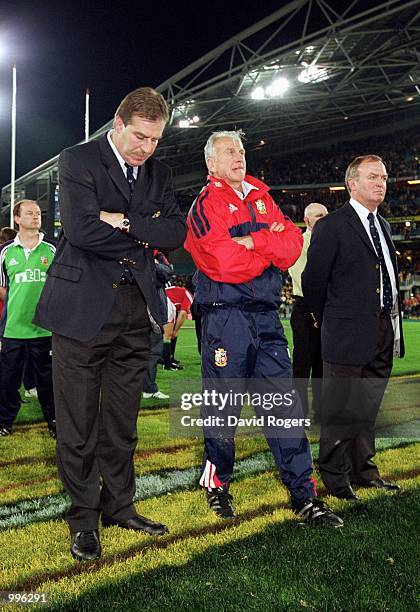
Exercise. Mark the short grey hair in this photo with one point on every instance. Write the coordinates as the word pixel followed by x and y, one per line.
pixel 209 147
pixel 353 167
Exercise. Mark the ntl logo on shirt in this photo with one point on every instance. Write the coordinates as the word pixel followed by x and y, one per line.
pixel 30 276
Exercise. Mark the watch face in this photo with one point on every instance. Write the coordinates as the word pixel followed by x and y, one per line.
pixel 125 223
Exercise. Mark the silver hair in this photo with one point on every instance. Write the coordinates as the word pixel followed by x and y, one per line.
pixel 209 148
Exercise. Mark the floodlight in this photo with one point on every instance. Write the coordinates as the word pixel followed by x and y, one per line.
pixel 278 87
pixel 258 94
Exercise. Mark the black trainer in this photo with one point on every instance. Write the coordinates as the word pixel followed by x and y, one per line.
pixel 317 511
pixel 220 501
pixel 5 431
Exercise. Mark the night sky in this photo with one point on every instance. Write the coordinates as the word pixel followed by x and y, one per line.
pixel 62 47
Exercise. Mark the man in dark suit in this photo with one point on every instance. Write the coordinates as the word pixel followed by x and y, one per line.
pixel 100 302
pixel 351 285
pixel 307 358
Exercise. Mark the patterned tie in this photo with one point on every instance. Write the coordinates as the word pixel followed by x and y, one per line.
pixel 386 281
pixel 130 178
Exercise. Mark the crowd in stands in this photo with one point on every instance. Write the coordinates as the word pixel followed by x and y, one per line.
pixel 400 152
pixel 400 201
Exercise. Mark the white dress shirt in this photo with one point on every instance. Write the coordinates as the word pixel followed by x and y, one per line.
pixel 363 212
pixel 121 159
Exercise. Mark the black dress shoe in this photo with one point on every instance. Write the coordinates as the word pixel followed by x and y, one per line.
pixel 137 523
pixel 85 545
pixel 379 483
pixel 346 493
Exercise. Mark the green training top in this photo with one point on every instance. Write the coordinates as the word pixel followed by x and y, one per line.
pixel 23 271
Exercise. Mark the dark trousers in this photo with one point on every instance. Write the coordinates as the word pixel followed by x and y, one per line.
pixel 307 359
pixel 28 377
pixel 13 357
pixel 255 355
pixel 156 349
pixel 97 387
pixel 351 400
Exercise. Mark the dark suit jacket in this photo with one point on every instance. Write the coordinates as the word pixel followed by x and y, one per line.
pixel 341 284
pixel 83 279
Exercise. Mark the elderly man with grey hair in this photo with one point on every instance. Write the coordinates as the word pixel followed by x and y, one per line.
pixel 239 240
pixel 307 360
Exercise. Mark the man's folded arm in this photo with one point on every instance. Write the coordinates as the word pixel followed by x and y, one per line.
pixel 215 253
pixel 80 210
pixel 282 248
pixel 165 231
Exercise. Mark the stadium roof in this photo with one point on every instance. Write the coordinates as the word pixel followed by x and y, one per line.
pixel 346 65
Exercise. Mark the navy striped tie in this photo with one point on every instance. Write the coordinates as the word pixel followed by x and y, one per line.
pixel 130 178
pixel 386 281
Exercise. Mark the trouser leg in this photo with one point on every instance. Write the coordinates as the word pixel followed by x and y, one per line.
pixel 375 376
pixel 39 351
pixel 226 351
pixel 83 439
pixel 316 372
pixel 272 374
pixel 301 351
pixel 122 382
pixel 28 377
pixel 77 375
pixel 156 348
pixel 12 357
pixel 340 424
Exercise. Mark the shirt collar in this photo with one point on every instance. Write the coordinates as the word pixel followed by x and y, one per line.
pixel 246 189
pixel 361 210
pixel 117 154
pixel 17 242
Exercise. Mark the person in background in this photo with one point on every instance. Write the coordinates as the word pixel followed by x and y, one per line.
pixel 164 272
pixel 24 263
pixel 182 299
pixel 307 359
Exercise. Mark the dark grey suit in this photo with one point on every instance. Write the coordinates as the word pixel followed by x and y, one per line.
pixel 101 328
pixel 341 284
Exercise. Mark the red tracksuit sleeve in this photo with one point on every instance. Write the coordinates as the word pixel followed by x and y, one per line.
pixel 213 250
pixel 282 249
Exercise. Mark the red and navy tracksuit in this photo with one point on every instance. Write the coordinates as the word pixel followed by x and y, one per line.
pixel 238 292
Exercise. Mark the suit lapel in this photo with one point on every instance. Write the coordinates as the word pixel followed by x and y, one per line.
pixel 114 168
pixel 357 225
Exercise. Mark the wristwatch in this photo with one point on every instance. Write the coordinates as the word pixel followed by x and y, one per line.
pixel 124 225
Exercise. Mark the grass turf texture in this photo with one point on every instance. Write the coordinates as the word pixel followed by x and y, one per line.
pixel 263 560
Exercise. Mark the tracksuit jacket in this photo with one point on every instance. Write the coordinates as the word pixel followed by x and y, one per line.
pixel 229 273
